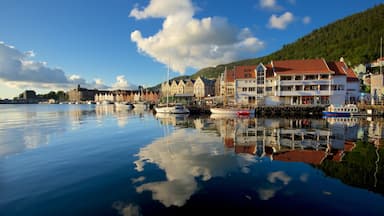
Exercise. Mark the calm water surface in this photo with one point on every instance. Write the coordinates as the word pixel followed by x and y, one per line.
pixel 98 160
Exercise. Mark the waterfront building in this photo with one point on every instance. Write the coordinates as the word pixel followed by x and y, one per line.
pixel 127 96
pixel 199 88
pixel 203 87
pixel 291 82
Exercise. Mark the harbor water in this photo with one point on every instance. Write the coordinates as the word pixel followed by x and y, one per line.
pixel 67 159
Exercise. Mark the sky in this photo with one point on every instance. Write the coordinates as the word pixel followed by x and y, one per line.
pixel 55 45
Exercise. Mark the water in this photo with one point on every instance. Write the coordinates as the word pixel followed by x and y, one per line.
pixel 96 160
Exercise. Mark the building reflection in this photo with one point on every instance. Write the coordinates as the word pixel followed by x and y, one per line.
pixel 298 140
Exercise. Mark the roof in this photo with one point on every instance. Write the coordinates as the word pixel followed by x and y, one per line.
pixel 241 72
pixel 341 68
pixel 303 66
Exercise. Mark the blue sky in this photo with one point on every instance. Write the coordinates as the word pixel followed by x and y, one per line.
pixel 120 44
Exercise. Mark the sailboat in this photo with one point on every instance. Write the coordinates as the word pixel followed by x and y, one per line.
pixel 140 104
pixel 175 109
pixel 227 110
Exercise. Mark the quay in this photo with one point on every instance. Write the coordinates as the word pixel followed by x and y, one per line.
pixel 314 111
pixel 373 110
pixel 294 111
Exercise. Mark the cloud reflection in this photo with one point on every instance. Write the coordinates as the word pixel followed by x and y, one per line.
pixel 184 157
pixel 127 209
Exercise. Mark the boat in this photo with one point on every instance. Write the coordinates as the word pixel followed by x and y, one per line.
pixel 231 110
pixel 176 109
pixel 346 110
pixel 124 105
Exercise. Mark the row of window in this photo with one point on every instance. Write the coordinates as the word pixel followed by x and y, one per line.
pixel 306 77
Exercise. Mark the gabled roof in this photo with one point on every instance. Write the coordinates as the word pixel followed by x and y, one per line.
pixel 302 66
pixel 341 68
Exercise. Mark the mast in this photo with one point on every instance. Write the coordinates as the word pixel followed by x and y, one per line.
pixel 225 87
pixel 381 55
pixel 168 84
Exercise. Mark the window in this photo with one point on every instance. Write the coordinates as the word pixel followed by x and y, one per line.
pixel 286 78
pixel 310 77
pixel 297 77
pixel 251 89
pixel 324 87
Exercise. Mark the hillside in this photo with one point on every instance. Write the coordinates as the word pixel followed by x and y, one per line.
pixel 356 38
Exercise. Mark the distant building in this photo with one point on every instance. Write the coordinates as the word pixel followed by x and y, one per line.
pixel 81 94
pixel 127 96
pixel 28 95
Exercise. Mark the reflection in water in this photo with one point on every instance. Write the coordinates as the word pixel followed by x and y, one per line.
pixel 183 157
pixel 30 126
pixel 133 163
pixel 187 155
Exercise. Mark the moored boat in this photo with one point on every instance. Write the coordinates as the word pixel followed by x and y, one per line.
pixel 124 105
pixel 341 110
pixel 176 109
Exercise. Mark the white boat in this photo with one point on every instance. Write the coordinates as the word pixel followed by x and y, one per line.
pixel 172 109
pixel 346 110
pixel 124 105
pixel 106 102
pixel 176 109
pixel 232 111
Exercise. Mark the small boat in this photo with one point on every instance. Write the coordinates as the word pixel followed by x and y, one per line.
pixel 243 113
pixel 124 105
pixel 341 111
pixel 176 109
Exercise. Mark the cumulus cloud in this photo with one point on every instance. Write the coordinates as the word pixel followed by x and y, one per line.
pixel 122 83
pixel 16 66
pixel 185 41
pixel 18 70
pixel 306 20
pixel 280 22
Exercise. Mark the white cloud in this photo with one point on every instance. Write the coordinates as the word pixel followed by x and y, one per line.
pixel 186 42
pixel 270 4
pixel 15 66
pixel 122 83
pixel 280 22
pixel 19 71
pixel 306 20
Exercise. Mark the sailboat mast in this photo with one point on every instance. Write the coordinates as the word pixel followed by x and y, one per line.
pixel 168 84
pixel 381 55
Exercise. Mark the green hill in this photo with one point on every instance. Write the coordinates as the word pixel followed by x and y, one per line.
pixel 356 38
